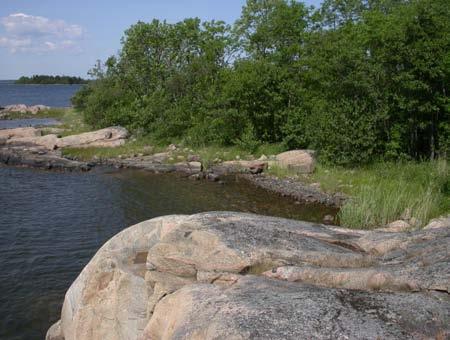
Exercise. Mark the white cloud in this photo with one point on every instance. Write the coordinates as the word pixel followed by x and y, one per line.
pixel 29 33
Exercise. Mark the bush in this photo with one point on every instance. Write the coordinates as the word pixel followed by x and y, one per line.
pixel 357 83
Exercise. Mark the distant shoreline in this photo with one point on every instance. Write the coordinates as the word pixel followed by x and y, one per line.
pixel 13 82
pixel 50 80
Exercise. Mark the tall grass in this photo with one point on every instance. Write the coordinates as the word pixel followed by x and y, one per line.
pixel 386 192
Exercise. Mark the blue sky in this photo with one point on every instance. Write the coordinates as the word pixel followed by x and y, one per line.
pixel 67 37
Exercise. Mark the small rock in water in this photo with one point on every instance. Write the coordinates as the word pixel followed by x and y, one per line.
pixel 257 167
pixel 196 177
pixel 213 177
pixel 328 219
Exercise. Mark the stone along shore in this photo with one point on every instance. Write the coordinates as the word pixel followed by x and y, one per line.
pixel 31 148
pixel 226 275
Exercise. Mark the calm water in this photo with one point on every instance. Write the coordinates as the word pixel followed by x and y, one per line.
pixel 50 95
pixel 51 224
pixel 15 123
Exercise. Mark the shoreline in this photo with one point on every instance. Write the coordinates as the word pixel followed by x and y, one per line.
pixel 402 195
pixel 34 157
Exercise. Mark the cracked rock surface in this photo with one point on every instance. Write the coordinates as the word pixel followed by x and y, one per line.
pixel 224 275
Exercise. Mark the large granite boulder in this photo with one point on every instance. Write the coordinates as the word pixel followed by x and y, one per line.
pixel 240 276
pixel 301 161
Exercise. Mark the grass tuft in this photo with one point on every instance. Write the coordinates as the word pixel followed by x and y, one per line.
pixel 385 192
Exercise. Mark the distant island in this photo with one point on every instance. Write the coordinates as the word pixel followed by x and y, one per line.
pixel 44 79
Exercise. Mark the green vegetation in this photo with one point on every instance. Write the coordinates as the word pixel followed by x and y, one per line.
pixel 143 145
pixel 71 121
pixel 147 145
pixel 56 113
pixel 355 80
pixel 385 192
pixel 44 79
pixel 379 193
pixel 364 83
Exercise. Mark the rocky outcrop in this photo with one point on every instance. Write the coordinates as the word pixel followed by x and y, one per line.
pixel 27 147
pixel 48 142
pixel 39 157
pixel 22 108
pixel 242 276
pixel 108 137
pixel 258 308
pixel 25 132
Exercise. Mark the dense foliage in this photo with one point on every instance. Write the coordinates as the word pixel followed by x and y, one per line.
pixel 44 79
pixel 356 80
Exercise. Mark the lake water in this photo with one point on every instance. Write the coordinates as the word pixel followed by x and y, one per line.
pixel 50 95
pixel 16 123
pixel 52 223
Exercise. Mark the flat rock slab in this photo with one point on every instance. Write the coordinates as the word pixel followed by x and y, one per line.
pixel 19 133
pixel 42 158
pixel 224 275
pixel 258 308
pixel 108 137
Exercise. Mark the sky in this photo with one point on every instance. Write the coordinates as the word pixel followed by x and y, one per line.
pixel 66 37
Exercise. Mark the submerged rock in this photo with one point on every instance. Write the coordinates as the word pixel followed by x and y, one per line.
pixel 241 276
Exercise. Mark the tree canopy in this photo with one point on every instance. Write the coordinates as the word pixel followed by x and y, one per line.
pixel 357 80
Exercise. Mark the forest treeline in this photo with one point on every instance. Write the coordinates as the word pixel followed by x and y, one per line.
pixel 356 80
pixel 45 79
